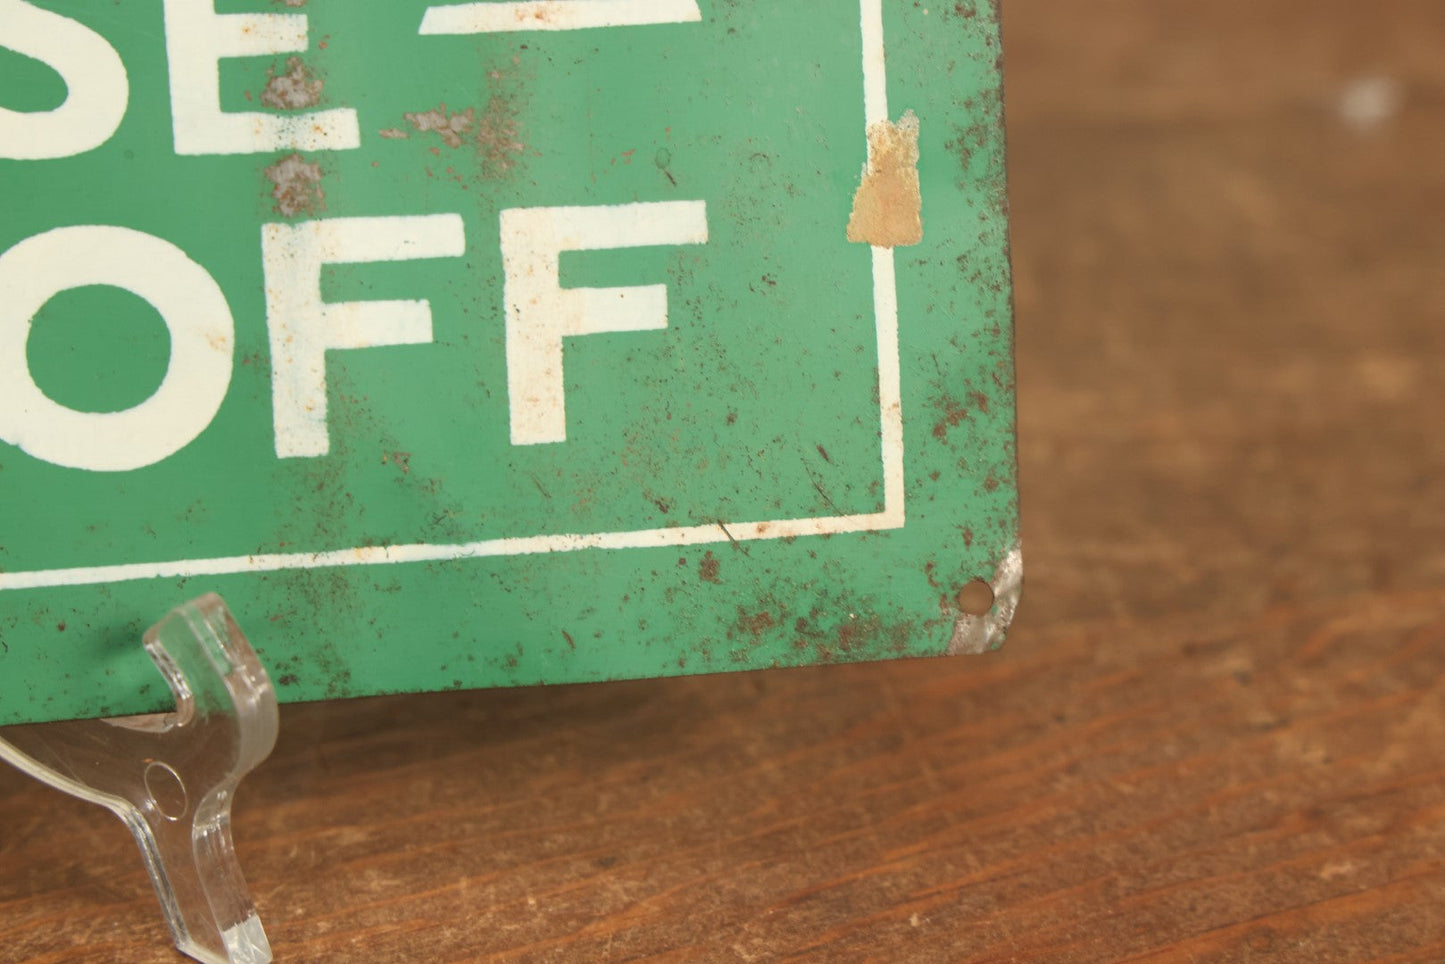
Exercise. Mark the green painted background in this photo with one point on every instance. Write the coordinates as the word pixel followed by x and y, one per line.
pixel 757 402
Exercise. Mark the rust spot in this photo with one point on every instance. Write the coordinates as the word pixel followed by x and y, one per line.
pixel 60 627
pixel 401 460
pixel 290 679
pixel 571 643
pixel 953 414
pixel 756 625
pixel 707 570
pixel 888 206
pixel 856 631
pixel 297 186
pixel 499 141
pixel 296 89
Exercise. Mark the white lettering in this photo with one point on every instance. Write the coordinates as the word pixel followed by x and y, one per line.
pixel 303 328
pixel 465 18
pixel 197 39
pixel 540 313
pixel 188 300
pixel 95 80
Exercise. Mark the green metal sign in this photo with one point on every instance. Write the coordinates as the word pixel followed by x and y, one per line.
pixel 498 343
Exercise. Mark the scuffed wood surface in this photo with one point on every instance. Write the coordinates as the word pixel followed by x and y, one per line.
pixel 1218 730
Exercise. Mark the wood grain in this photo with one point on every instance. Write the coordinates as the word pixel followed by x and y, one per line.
pixel 1218 730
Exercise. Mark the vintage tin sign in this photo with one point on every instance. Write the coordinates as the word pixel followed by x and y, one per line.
pixel 497 343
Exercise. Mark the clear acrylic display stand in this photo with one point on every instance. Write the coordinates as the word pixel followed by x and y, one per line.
pixel 171 776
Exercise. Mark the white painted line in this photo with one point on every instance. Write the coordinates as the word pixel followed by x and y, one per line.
pixel 890 391
pixel 885 306
pixel 426 552
pixel 875 74
pixel 469 18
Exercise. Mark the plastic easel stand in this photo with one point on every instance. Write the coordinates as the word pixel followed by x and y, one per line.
pixel 171 776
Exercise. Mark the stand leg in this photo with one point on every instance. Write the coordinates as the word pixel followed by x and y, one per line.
pixel 171 776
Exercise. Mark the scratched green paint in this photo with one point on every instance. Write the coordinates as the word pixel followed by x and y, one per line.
pixel 759 401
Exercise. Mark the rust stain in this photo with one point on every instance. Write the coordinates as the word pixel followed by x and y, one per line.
pixel 856 632
pixel 707 570
pixel 296 89
pixel 757 624
pixel 955 412
pixel 953 415
pixel 297 186
pixel 499 141
pixel 888 206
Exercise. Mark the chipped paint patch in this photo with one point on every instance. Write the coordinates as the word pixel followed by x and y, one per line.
pixel 975 632
pixel 393 133
pixel 449 127
pixel 296 89
pixel 888 206
pixel 297 186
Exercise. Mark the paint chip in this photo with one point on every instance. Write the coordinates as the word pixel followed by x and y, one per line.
pixel 888 207
pixel 297 186
pixel 296 89
pixel 450 127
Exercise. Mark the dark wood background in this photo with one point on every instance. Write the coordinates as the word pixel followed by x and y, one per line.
pixel 1218 730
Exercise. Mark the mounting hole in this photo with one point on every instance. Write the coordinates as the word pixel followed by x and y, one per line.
pixel 167 790
pixel 975 598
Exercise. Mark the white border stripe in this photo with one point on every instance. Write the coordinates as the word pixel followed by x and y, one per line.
pixel 875 74
pixel 890 391
pixel 469 18
pixel 426 552
pixel 885 306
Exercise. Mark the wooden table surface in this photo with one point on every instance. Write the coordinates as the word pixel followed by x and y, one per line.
pixel 1218 730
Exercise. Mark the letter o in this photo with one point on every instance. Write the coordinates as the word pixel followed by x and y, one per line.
pixel 188 299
